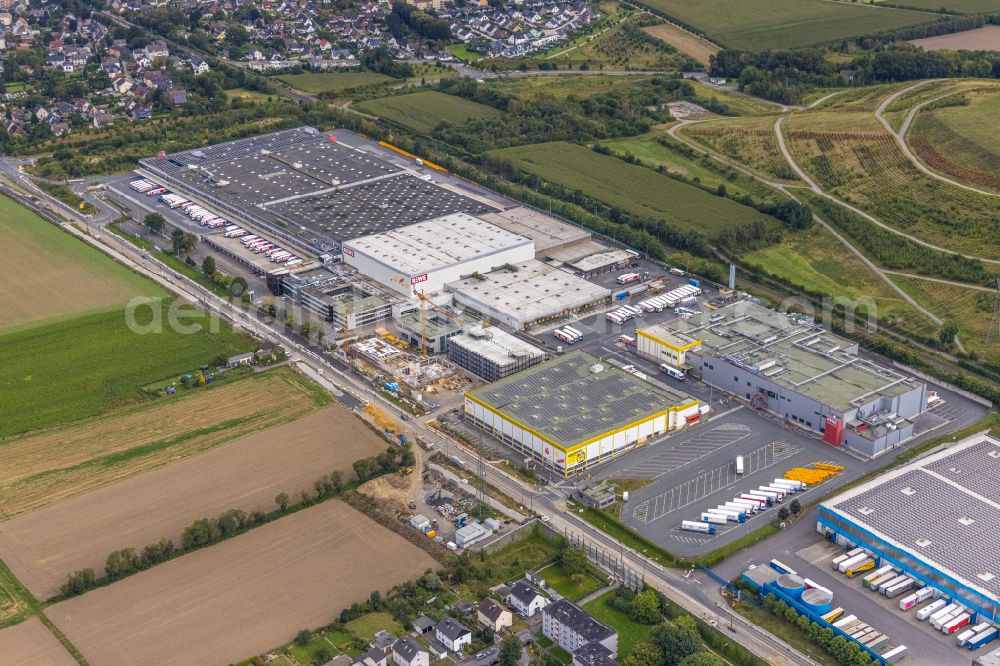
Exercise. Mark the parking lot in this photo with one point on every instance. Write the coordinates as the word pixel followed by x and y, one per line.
pixel 694 470
pixel 801 548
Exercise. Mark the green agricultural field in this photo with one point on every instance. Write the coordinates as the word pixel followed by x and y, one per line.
pixel 324 82
pixel 71 369
pixel 764 24
pixel 961 141
pixel 463 52
pixel 53 276
pixel 366 626
pixel 658 149
pixel 423 111
pixel 629 632
pixel 638 190
pixel 960 6
pixel 579 85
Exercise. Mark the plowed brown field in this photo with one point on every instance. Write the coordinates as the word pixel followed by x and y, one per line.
pixel 31 644
pixel 44 547
pixel 243 596
pixel 57 464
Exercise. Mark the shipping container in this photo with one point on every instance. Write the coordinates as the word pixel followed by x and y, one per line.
pixel 843 622
pixel 895 654
pixel 851 561
pixel 693 526
pixel 931 608
pixel 833 615
pixel 879 642
pixel 861 567
pixel 982 638
pixel 898 588
pixel 945 614
pixel 871 638
pixel 875 575
pixel 970 631
pixel 955 623
pixel 884 580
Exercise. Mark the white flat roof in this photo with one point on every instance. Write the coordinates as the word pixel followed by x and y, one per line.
pixel 435 244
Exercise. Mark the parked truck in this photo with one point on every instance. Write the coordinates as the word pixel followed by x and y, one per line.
pixel 930 609
pixel 851 561
pixel 956 623
pixel 860 567
pixel 875 575
pixel 694 526
pixel 895 654
pixel 715 518
pixel 899 588
pixel 982 638
pixel 845 556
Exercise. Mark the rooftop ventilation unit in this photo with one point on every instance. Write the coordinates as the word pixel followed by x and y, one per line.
pixel 596 368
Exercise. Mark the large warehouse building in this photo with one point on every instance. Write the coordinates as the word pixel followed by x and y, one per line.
pixel 426 255
pixel 937 519
pixel 532 293
pixel 573 412
pixel 791 367
pixel 492 353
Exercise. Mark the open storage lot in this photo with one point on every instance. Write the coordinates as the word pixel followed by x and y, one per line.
pixel 32 644
pixel 44 547
pixel 59 463
pixel 243 596
pixel 51 275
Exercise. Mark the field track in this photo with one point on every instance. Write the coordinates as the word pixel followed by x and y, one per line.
pixel 60 463
pixel 685 42
pixel 32 644
pixel 243 596
pixel 44 547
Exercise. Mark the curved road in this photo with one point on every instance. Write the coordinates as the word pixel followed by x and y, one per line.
pixel 900 136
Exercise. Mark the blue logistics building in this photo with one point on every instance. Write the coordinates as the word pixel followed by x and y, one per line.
pixel 937 519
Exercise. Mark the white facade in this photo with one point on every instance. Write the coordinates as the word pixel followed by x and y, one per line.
pixel 423 257
pixel 455 644
pixel 526 604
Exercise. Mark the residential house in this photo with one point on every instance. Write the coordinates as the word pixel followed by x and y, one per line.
pixel 242 359
pixel 423 624
pixel 407 653
pixel 452 634
pixel 525 599
pixel 198 66
pixel 571 627
pixel 492 614
pixel 376 656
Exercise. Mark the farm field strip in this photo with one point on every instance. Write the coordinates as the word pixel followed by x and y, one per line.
pixel 321 82
pixel 762 24
pixel 53 276
pixel 960 6
pixel 423 111
pixel 32 644
pixel 242 596
pixel 698 48
pixel 986 38
pixel 868 170
pixel 636 189
pixel 53 465
pixel 110 361
pixel 44 547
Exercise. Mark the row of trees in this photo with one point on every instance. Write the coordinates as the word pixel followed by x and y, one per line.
pixel 207 531
pixel 846 652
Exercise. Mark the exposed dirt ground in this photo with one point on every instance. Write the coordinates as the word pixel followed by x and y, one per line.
pixel 697 48
pixel 32 644
pixel 43 547
pixel 243 596
pixel 54 465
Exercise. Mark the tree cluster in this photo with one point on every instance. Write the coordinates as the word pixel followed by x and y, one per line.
pixel 848 653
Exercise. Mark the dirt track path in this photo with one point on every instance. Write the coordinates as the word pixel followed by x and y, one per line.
pixel 900 136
